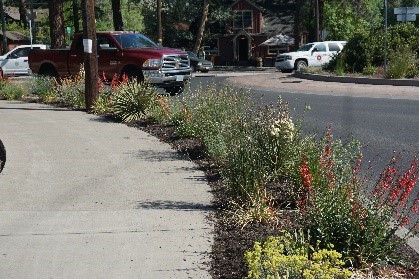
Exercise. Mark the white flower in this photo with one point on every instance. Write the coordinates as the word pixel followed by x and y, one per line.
pixel 283 127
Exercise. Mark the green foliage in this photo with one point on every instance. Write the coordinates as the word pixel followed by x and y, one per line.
pixel 103 105
pixel 70 91
pixel 402 64
pixel 291 256
pixel 403 36
pixel 264 149
pixel 343 18
pixel 131 10
pixel 134 101
pixel 132 15
pixel 257 208
pixel 10 91
pixel 67 91
pixel 210 114
pixel 42 34
pixel 340 64
pixel 180 19
pixel 43 87
pixel 254 146
pixel 363 49
pixel 369 70
pixel 366 49
pixel 334 207
pixel 339 20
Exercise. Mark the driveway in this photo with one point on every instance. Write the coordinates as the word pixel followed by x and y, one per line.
pixel 85 198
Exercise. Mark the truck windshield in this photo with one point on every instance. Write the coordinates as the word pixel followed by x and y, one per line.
pixel 306 47
pixel 133 40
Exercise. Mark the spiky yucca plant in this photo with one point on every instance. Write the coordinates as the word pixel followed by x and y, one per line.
pixel 134 101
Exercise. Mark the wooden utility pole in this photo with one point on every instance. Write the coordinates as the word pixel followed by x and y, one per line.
pixel 159 22
pixel 90 54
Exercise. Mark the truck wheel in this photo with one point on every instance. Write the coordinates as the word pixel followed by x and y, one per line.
pixel 174 90
pixel 48 71
pixel 300 64
pixel 2 156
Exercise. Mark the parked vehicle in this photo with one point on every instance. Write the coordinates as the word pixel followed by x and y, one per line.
pixel 119 53
pixel 313 54
pixel 199 64
pixel 15 62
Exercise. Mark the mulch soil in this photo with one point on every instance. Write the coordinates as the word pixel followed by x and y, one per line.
pixel 231 240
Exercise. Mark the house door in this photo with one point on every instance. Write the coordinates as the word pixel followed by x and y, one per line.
pixel 243 48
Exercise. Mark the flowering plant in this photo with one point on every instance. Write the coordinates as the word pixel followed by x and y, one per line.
pixel 337 207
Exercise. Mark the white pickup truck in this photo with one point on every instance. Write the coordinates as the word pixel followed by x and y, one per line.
pixel 15 62
pixel 312 54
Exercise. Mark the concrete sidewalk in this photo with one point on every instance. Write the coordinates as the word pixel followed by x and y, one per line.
pixel 85 198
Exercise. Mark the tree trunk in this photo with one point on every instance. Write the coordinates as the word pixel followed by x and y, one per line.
pixel 159 23
pixel 23 13
pixel 3 29
pixel 118 24
pixel 56 19
pixel 76 16
pixel 201 28
pixel 298 22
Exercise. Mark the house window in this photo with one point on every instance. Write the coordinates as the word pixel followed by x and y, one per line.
pixel 243 20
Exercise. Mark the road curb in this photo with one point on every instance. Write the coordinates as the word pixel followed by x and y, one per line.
pixel 358 80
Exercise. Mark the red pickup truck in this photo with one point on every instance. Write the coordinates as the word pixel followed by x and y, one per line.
pixel 119 53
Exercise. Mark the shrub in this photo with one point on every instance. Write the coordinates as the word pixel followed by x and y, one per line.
pixel 134 101
pixel 366 48
pixel 335 205
pixel 291 256
pixel 210 114
pixel 10 91
pixel 403 36
pixel 336 64
pixel 402 64
pixel 263 151
pixel 340 64
pixel 104 103
pixel 43 87
pixel 369 70
pixel 70 91
pixel 363 49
